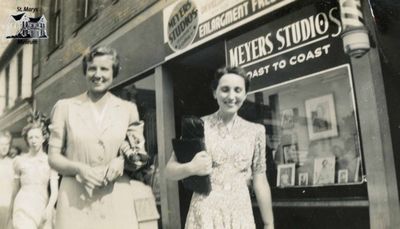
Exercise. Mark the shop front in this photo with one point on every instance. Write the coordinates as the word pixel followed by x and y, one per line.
pixel 330 160
pixel 329 164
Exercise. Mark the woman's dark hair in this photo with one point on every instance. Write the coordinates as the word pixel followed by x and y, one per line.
pixel 101 51
pixel 37 120
pixel 230 70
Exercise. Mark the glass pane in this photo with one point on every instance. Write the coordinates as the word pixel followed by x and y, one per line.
pixel 312 133
pixel 142 93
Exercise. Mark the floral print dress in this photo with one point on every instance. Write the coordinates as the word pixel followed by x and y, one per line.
pixel 237 155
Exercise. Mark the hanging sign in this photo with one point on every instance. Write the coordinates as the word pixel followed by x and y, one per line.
pixel 304 42
pixel 189 23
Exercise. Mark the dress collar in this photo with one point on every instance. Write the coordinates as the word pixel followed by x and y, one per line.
pixel 217 122
pixel 112 100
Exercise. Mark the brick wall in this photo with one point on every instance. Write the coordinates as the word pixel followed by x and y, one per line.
pixel 108 18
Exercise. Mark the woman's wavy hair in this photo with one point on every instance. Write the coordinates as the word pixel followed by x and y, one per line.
pixel 37 120
pixel 230 70
pixel 101 51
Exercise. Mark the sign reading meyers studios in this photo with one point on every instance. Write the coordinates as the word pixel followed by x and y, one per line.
pixel 304 42
pixel 189 23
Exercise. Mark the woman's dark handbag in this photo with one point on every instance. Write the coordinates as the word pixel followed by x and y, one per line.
pixel 192 142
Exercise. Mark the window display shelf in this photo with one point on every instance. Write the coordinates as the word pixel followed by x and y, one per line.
pixel 321 203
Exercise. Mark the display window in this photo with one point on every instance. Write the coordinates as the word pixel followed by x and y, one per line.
pixel 142 93
pixel 312 132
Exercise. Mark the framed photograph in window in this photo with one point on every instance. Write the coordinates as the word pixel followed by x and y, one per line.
pixel 324 170
pixel 303 179
pixel 288 118
pixel 343 176
pixel 321 117
pixel 291 153
pixel 286 175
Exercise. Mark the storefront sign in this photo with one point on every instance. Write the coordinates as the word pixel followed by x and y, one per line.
pixel 291 47
pixel 189 23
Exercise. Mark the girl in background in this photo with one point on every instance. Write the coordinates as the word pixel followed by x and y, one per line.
pixel 32 206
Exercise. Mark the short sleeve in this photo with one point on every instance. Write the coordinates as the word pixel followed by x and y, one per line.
pixel 133 112
pixel 17 168
pixel 259 161
pixel 58 125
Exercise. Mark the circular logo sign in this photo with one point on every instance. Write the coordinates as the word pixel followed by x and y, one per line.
pixel 182 25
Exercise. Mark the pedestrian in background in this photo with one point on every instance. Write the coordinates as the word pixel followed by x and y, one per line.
pixel 33 207
pixel 6 179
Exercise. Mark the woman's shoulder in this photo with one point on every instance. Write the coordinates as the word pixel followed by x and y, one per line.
pixel 19 160
pixel 259 128
pixel 67 101
pixel 210 119
pixel 206 117
pixel 122 102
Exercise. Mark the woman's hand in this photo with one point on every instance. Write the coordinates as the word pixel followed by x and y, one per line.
pixel 115 169
pixel 47 215
pixel 90 177
pixel 201 164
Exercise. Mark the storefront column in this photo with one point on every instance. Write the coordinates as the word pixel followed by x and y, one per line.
pixel 170 212
pixel 376 140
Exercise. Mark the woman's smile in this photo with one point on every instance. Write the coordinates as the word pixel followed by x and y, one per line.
pixel 99 74
pixel 230 93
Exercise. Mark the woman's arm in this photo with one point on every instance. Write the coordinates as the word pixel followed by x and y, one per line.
pixel 48 214
pixel 200 165
pixel 53 190
pixel 62 164
pixel 66 167
pixel 15 189
pixel 263 194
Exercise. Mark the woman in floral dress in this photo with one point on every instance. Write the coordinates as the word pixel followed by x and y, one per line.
pixel 234 158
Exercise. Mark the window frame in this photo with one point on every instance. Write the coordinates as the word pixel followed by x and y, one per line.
pixel 7 79
pixel 55 38
pixel 20 75
pixel 90 13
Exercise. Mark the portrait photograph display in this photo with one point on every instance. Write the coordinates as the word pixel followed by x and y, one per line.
pixel 321 117
pixel 343 176
pixel 291 153
pixel 289 117
pixel 303 179
pixel 324 171
pixel 286 173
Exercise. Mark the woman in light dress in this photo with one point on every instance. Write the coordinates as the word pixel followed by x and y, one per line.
pixel 86 132
pixel 6 179
pixel 234 157
pixel 32 206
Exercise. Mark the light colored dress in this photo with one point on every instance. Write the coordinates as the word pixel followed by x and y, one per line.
pixel 237 155
pixel 75 129
pixel 6 185
pixel 34 174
